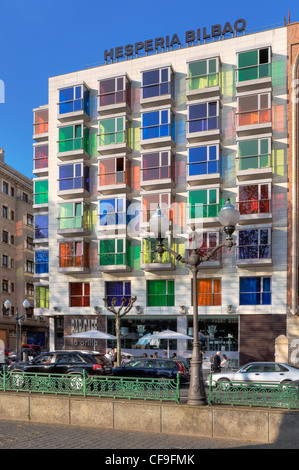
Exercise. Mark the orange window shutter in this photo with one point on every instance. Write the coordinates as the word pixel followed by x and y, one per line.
pixel 217 292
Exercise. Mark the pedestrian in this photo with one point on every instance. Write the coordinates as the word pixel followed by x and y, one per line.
pixel 174 356
pixel 144 355
pixel 217 362
pixel 156 355
pixel 224 362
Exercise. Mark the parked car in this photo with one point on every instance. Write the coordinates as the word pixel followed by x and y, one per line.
pixel 65 362
pixel 30 353
pixel 35 347
pixel 259 372
pixel 153 368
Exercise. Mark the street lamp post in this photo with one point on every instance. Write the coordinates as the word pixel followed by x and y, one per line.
pixel 18 319
pixel 159 224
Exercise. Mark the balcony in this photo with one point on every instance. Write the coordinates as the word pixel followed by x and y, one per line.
pixel 114 175
pixel 74 103
pixel 114 95
pixel 254 115
pixel 203 165
pixel 157 170
pixel 149 258
pixel 40 124
pixel 204 79
pixel 40 159
pixel 203 123
pixel 157 87
pixel 157 128
pixel 114 255
pixel 255 210
pixel 114 135
pixel 254 70
pixel 74 142
pixel 74 257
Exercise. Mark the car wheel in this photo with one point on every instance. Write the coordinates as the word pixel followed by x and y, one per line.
pixel 223 384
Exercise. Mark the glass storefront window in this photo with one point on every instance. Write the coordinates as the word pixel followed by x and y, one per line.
pixel 218 334
pixel 134 331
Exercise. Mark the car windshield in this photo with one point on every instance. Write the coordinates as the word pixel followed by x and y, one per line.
pixel 168 364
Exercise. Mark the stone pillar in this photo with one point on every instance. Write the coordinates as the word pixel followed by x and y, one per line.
pixel 282 349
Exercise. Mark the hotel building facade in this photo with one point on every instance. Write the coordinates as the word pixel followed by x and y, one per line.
pixel 183 128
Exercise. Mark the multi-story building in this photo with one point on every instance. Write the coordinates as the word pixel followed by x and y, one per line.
pixel 183 128
pixel 17 258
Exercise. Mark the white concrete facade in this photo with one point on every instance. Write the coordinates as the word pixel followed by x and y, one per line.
pixel 229 272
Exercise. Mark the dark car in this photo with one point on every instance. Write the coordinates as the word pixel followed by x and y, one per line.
pixel 65 362
pixel 153 368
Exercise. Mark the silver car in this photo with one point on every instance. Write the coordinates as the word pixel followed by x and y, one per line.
pixel 259 372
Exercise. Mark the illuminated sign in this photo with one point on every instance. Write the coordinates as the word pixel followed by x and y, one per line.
pixel 158 44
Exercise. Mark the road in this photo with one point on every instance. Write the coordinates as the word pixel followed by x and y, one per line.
pixel 31 435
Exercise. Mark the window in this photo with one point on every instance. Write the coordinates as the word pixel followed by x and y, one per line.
pixel 156 82
pixel 30 289
pixel 160 293
pixel 74 255
pixel 203 74
pixel 41 156
pixel 204 243
pixel 112 131
pixel 29 243
pixel 4 236
pixel 41 226
pixel 5 187
pixel 4 212
pixel 113 252
pixel 254 244
pixel 73 176
pixel 149 253
pixel 29 266
pixel 12 191
pixel 152 201
pixel 4 286
pixel 113 211
pixel 156 124
pixel 254 64
pixel 204 203
pixel 12 287
pixel 255 291
pixel 12 240
pixel 4 261
pixel 12 215
pixel 118 290
pixel 114 91
pixel 41 189
pixel 254 154
pixel 157 166
pixel 114 170
pixel 74 215
pixel 254 109
pixel 41 262
pixel 42 296
pixel 79 294
pixel 208 292
pixel 74 137
pixel 203 160
pixel 203 117
pixel 29 220
pixel 255 199
pixel 73 99
pixel 40 122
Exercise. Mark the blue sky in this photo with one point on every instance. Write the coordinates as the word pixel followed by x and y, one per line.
pixel 44 39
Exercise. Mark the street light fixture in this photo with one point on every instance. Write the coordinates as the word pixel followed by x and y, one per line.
pixel 18 318
pixel 159 224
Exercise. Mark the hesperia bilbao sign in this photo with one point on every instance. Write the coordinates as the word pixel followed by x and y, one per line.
pixel 158 44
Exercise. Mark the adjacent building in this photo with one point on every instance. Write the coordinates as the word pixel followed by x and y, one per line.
pixel 17 258
pixel 184 128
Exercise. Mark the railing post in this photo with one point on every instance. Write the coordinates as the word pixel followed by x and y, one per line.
pixel 177 388
pixel 4 378
pixel 84 383
pixel 210 390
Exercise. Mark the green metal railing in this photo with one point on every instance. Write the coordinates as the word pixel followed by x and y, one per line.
pixel 96 386
pixel 254 394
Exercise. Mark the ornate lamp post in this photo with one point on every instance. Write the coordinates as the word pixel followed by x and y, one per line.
pixel 119 313
pixel 18 319
pixel 159 224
